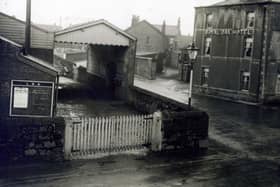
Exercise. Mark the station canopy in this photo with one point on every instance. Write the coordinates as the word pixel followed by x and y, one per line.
pixel 99 32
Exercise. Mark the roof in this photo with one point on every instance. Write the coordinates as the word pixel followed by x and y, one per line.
pixel 32 24
pixel 10 41
pixel 39 63
pixel 93 23
pixel 50 28
pixel 170 30
pixel 242 2
pixel 146 22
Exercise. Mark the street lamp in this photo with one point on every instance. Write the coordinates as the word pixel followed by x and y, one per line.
pixel 192 52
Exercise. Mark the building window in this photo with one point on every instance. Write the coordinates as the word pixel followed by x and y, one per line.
pixel 250 20
pixel 171 41
pixel 244 81
pixel 248 48
pixel 277 90
pixel 147 39
pixel 204 76
pixel 207 48
pixel 209 20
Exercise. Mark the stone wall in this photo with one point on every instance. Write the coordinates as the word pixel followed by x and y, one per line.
pixel 182 126
pixel 145 67
pixel 31 139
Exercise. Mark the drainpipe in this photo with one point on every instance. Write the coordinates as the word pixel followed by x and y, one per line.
pixel 27 28
pixel 263 60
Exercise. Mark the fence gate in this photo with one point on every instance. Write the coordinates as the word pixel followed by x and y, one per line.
pixel 100 136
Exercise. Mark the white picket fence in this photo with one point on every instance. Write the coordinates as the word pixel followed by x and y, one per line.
pixel 100 136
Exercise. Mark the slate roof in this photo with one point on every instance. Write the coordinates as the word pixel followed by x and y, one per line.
pixel 170 30
pixel 237 2
pixel 147 23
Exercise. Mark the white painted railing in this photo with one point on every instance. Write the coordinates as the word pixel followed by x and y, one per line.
pixel 100 136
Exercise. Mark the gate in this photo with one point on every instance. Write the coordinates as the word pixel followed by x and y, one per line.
pixel 101 136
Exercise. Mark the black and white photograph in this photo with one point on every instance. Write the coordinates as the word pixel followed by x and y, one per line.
pixel 139 93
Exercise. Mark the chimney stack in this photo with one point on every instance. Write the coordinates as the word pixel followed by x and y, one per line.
pixel 135 20
pixel 163 27
pixel 179 25
pixel 27 28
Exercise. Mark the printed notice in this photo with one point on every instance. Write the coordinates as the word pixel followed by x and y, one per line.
pixel 20 97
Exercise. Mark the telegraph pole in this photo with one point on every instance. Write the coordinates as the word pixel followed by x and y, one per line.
pixel 27 28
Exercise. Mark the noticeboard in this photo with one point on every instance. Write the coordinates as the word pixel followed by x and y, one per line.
pixel 31 98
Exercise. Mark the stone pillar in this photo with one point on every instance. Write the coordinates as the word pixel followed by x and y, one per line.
pixel 68 138
pixel 156 132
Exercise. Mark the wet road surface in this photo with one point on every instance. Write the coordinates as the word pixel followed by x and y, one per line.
pixel 243 151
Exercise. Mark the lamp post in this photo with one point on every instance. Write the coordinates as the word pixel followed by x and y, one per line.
pixel 192 52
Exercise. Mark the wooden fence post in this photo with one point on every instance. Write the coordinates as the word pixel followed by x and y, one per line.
pixel 68 138
pixel 156 132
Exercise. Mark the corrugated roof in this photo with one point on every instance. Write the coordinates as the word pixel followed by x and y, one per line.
pixel 170 30
pixel 236 2
pixel 18 20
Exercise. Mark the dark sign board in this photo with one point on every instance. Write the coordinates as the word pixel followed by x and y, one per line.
pixel 31 98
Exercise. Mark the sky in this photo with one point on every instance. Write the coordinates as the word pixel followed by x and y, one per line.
pixel 118 12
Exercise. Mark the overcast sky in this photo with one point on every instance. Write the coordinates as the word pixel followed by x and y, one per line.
pixel 118 12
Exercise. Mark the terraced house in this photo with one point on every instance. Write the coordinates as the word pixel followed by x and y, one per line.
pixel 239 43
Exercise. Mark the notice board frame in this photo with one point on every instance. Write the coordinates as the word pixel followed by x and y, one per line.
pixel 36 82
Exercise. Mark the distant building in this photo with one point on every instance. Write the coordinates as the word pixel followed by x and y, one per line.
pixel 156 39
pixel 149 38
pixel 42 40
pixel 239 45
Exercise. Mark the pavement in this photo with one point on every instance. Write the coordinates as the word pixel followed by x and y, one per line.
pixel 244 149
pixel 165 85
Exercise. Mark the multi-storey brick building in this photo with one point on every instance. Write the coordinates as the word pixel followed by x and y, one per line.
pixel 239 50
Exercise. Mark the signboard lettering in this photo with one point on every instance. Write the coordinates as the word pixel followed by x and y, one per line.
pixel 246 31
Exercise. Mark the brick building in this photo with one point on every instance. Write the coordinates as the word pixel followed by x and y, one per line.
pixel 239 50
pixel 27 84
pixel 156 39
pixel 149 38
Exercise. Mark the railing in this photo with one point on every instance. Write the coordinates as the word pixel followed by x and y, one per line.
pixel 93 137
